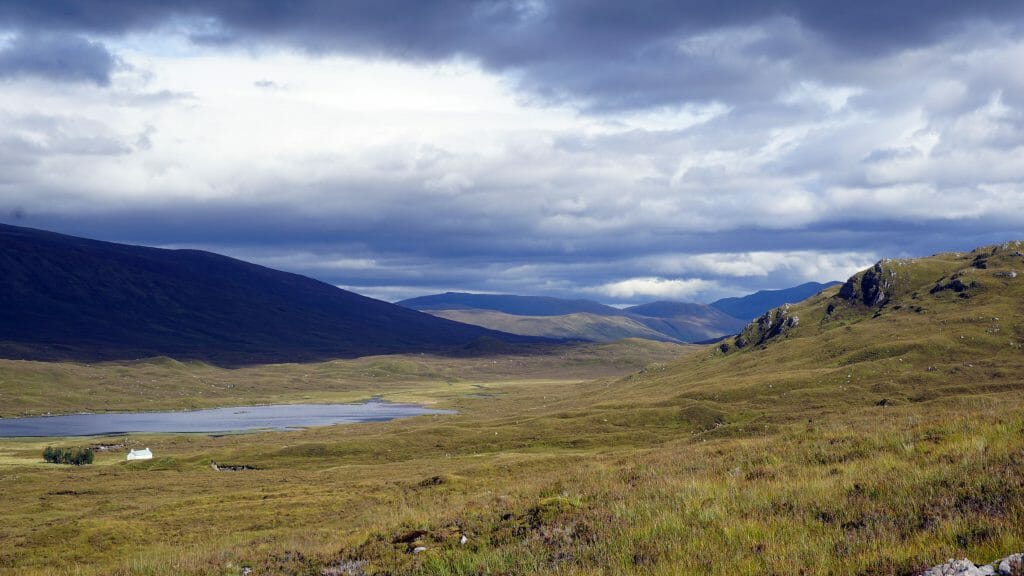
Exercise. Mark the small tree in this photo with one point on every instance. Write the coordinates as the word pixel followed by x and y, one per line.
pixel 74 456
pixel 79 456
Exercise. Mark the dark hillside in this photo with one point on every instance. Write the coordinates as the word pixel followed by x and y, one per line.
pixel 63 297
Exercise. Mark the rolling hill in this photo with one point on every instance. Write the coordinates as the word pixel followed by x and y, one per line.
pixel 576 326
pixel 686 321
pixel 509 304
pixel 753 305
pixel 63 297
pixel 580 319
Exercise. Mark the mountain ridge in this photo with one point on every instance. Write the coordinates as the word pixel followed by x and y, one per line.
pixel 753 305
pixel 509 304
pixel 580 319
pixel 65 297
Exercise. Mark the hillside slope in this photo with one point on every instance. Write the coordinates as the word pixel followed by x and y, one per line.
pixel 63 297
pixel 753 305
pixel 902 331
pixel 509 304
pixel 580 319
pixel 915 300
pixel 686 321
pixel 577 326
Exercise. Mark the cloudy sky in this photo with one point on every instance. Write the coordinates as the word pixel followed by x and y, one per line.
pixel 620 151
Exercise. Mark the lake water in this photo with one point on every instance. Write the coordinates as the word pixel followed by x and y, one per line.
pixel 274 417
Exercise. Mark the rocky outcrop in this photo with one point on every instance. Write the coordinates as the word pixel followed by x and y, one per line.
pixel 956 284
pixel 771 324
pixel 870 287
pixel 1012 565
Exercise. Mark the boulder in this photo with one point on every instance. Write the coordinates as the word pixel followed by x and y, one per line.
pixel 962 567
pixel 1011 565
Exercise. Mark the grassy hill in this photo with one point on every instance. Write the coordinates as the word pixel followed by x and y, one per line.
pixel 685 321
pixel 33 388
pixel 577 326
pixel 580 319
pixel 874 429
pixel 63 297
pixel 509 304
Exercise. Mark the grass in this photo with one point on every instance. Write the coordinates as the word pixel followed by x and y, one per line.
pixel 33 388
pixel 780 459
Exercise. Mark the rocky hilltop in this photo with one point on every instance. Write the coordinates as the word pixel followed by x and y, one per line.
pixel 919 286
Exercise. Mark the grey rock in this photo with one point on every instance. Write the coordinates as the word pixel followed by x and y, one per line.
pixel 869 287
pixel 955 284
pixel 1012 564
pixel 772 323
pixel 346 568
pixel 1011 274
pixel 962 567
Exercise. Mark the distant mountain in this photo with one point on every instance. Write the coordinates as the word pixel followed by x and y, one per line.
pixel 63 297
pixel 580 319
pixel 753 305
pixel 686 321
pixel 577 326
pixel 671 309
pixel 509 304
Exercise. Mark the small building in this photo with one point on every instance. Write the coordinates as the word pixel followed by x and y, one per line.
pixel 143 454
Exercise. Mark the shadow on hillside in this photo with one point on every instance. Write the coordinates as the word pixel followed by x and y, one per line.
pixel 89 354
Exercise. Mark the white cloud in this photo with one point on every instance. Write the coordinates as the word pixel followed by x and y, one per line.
pixel 676 289
pixel 834 98
pixel 383 172
pixel 802 265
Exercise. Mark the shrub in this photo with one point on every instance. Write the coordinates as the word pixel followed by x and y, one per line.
pixel 74 456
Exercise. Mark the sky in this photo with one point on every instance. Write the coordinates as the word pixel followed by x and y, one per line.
pixel 617 151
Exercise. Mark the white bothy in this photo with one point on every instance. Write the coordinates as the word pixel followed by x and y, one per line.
pixel 143 454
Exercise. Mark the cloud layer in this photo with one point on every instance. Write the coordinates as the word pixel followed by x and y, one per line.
pixel 682 150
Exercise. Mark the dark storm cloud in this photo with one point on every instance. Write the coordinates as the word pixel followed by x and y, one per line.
pixel 58 57
pixel 398 256
pixel 742 145
pixel 604 55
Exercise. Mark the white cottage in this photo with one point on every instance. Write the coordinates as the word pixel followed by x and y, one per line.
pixel 143 454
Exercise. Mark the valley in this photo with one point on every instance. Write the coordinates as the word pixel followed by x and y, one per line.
pixel 875 435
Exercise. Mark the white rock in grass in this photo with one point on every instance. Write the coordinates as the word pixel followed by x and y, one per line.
pixel 963 567
pixel 1010 563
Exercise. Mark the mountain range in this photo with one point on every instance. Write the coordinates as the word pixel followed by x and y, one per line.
pixel 753 305
pixel 69 298
pixel 588 320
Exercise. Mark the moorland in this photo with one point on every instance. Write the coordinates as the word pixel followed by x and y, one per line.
pixel 875 428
